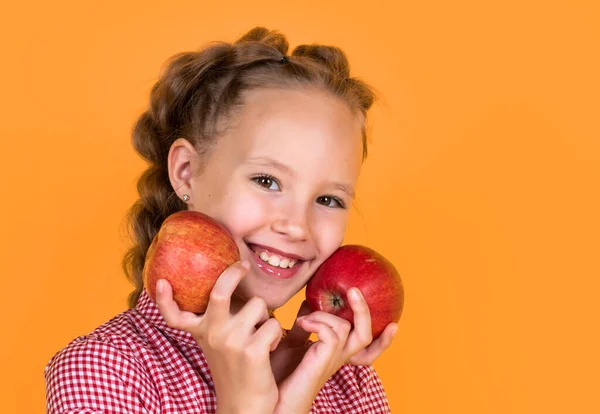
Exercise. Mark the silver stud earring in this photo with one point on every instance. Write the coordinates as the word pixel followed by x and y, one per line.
pixel 186 197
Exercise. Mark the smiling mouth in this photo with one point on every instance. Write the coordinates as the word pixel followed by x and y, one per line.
pixel 274 259
pixel 268 263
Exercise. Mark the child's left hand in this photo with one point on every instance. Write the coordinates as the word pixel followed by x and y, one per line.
pixel 337 345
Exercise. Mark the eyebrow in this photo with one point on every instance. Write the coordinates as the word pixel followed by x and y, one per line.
pixel 270 162
pixel 346 189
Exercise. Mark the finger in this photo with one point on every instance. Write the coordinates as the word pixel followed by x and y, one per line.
pixel 328 340
pixel 219 302
pixel 339 325
pixel 362 335
pixel 253 313
pixel 368 355
pixel 297 336
pixel 173 316
pixel 267 336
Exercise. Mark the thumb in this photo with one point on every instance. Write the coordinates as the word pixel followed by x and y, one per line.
pixel 298 336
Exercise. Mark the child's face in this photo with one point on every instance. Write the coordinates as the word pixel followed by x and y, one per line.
pixel 310 144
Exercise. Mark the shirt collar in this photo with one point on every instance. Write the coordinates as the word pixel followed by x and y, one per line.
pixel 149 310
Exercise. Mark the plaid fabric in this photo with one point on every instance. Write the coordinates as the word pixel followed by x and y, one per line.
pixel 135 363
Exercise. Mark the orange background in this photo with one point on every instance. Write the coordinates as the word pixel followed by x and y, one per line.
pixel 481 184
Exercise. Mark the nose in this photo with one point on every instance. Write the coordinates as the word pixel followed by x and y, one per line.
pixel 292 225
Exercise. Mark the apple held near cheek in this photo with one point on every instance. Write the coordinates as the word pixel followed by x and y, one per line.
pixel 190 251
pixel 357 266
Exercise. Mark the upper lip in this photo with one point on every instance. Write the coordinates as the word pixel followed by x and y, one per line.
pixel 279 252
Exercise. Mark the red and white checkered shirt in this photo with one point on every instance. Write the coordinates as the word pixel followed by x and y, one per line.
pixel 135 363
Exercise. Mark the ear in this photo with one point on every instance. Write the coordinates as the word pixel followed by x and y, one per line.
pixel 182 162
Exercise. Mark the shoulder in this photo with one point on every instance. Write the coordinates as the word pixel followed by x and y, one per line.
pixel 353 388
pixel 116 343
pixel 98 368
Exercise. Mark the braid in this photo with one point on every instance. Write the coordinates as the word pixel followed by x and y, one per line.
pixel 336 63
pixel 157 201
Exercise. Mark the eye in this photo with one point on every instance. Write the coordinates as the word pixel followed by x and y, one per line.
pixel 331 201
pixel 266 181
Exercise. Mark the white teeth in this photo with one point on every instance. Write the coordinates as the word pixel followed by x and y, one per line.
pixel 277 261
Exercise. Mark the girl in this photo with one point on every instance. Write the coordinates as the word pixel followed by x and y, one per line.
pixel 271 146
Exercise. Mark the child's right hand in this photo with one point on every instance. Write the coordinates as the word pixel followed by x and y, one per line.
pixel 236 351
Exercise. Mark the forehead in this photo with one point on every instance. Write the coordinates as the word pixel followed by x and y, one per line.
pixel 302 129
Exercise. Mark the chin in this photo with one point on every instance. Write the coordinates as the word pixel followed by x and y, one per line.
pixel 273 300
pixel 273 304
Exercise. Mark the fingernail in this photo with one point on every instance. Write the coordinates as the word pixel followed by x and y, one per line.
pixel 304 319
pixel 245 264
pixel 355 293
pixel 394 332
pixel 160 286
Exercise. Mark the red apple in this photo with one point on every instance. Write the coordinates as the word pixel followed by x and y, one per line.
pixel 190 251
pixel 357 266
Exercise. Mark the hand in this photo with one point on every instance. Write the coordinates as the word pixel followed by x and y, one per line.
pixel 337 345
pixel 362 326
pixel 236 347
pixel 291 349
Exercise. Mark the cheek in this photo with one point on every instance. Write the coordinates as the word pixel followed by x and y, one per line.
pixel 329 235
pixel 242 212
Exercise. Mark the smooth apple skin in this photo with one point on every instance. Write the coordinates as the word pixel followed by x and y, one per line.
pixel 357 266
pixel 190 250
